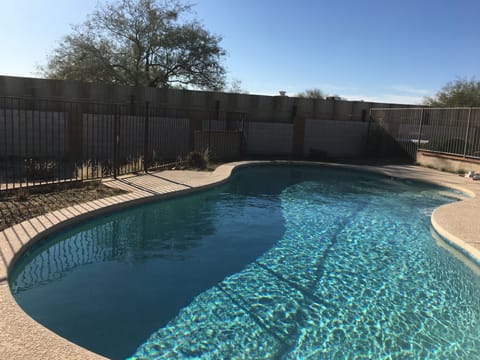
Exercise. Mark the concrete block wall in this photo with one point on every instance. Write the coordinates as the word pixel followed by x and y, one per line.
pixel 260 108
pixel 334 138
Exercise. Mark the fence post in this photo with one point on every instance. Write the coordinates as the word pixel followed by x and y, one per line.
pixel 4 154
pixel 420 129
pixel 217 115
pixel 243 143
pixel 146 154
pixel 368 146
pixel 467 132
pixel 116 140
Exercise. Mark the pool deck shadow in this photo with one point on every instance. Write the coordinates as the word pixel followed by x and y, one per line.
pixel 21 337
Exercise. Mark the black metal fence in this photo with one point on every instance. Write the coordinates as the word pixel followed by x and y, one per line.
pixel 224 136
pixel 404 131
pixel 44 141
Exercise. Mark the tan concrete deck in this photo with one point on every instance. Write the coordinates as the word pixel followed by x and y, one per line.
pixel 23 338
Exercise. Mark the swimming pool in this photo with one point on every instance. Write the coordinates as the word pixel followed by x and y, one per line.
pixel 279 262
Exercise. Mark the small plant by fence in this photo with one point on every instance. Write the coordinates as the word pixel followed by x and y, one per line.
pixel 43 141
pixel 404 131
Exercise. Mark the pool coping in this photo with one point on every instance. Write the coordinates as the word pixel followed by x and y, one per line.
pixel 21 337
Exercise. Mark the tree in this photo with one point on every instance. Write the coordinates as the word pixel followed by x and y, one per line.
pixel 312 94
pixel 140 43
pixel 461 92
pixel 235 86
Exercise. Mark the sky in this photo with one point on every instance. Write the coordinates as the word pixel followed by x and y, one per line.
pixel 387 51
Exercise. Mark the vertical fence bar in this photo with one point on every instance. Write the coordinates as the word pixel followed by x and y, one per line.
pixel 123 112
pixel 103 123
pixel 436 136
pixel 74 109
pixel 42 147
pixel 31 160
pixel 51 151
pixel 79 163
pixel 476 133
pixel 58 148
pixel 115 141
pixel 467 132
pixel 86 146
pixel 420 129
pixel 124 118
pixel 66 120
pixel 243 139
pixel 101 133
pixel 368 140
pixel 5 166
pixel 146 162
pixel 20 155
pixel 445 144
pixel 39 165
pixel 129 157
pixel 72 137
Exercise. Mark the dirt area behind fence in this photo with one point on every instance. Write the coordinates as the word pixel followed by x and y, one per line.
pixel 25 203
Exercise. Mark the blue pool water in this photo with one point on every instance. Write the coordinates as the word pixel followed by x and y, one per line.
pixel 280 262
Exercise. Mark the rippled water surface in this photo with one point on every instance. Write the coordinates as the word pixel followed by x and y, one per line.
pixel 281 262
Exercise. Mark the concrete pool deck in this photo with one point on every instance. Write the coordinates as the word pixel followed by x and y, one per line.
pixel 21 337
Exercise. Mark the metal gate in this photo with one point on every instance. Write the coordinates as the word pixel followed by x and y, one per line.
pixel 224 136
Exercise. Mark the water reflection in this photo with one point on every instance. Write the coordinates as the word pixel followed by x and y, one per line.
pixel 134 237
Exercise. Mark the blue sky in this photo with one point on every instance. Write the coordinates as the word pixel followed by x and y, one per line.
pixel 392 51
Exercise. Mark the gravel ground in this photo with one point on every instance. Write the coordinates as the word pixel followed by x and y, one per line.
pixel 24 204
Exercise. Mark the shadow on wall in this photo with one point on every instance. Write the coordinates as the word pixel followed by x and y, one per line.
pixel 382 145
